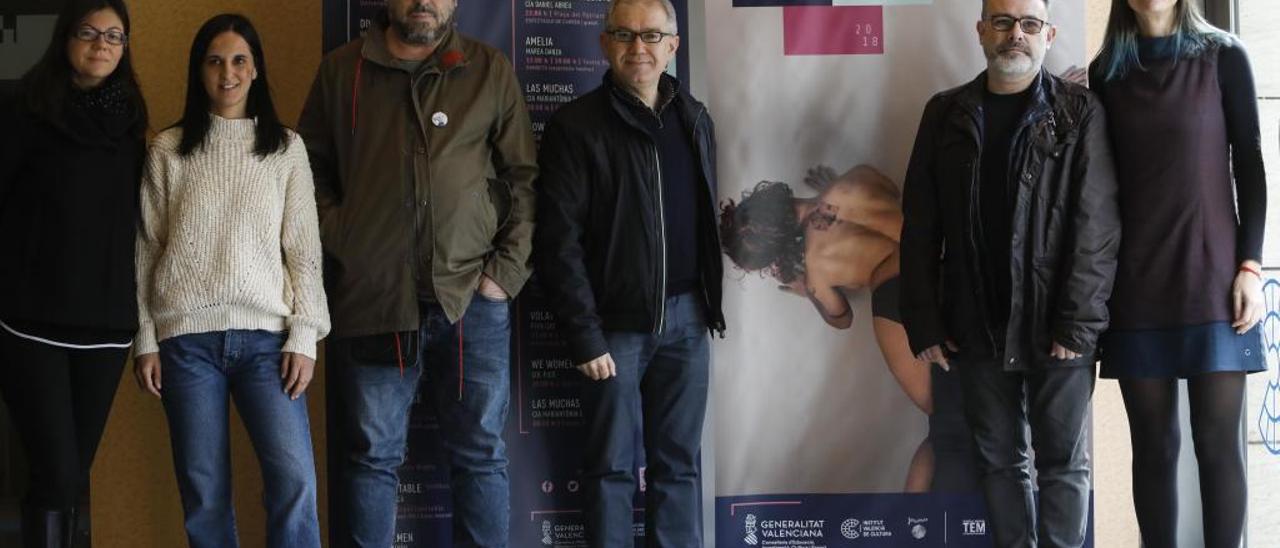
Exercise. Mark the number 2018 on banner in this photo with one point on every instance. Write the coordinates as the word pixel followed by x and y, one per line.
pixel 817 30
pixel 868 35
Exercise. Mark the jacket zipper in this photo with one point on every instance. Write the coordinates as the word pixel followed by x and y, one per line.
pixel 1014 171
pixel 975 213
pixel 975 216
pixel 662 246
pixel 660 321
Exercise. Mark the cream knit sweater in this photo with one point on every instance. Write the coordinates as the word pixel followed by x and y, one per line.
pixel 229 241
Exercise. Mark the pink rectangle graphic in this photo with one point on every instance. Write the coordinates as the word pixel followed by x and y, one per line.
pixel 833 30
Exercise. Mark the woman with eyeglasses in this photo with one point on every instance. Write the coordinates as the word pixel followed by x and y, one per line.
pixel 71 154
pixel 1183 118
pixel 230 297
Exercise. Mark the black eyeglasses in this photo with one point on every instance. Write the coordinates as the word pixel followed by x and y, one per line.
pixel 628 36
pixel 1005 23
pixel 114 37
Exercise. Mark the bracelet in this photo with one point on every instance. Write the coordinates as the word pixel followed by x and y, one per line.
pixel 1251 270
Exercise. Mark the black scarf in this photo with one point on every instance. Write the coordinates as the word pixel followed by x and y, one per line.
pixel 110 98
pixel 106 110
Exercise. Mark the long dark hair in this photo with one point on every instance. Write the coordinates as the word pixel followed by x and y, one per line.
pixel 270 133
pixel 1193 35
pixel 45 88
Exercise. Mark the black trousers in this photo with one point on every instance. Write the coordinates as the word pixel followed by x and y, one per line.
pixel 58 399
pixel 1012 413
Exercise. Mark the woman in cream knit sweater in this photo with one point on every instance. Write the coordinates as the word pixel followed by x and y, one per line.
pixel 230 296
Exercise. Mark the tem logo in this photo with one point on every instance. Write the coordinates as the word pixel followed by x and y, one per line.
pixel 751 539
pixel 973 527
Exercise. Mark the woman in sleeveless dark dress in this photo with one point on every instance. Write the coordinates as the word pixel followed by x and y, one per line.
pixel 1188 294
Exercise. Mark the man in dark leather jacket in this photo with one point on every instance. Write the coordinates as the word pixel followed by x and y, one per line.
pixel 1011 229
pixel 626 247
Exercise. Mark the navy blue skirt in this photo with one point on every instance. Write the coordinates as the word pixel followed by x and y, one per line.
pixel 1180 352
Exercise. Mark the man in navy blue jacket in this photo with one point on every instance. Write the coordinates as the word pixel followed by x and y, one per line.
pixel 626 246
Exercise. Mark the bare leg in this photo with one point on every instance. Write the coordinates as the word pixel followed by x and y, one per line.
pixel 920 473
pixel 912 375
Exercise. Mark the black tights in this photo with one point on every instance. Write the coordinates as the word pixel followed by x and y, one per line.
pixel 1217 409
pixel 59 400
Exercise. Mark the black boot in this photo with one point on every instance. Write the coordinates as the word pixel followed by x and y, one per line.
pixel 81 528
pixel 46 528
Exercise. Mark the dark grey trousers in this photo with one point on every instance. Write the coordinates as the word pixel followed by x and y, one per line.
pixel 1012 413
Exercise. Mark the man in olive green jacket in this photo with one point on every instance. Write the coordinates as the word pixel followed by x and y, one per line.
pixel 424 160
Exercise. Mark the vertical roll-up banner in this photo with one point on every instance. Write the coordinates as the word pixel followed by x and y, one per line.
pixel 555 50
pixel 828 433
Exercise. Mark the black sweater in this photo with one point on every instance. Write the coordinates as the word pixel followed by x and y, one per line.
pixel 1001 115
pixel 68 216
pixel 678 162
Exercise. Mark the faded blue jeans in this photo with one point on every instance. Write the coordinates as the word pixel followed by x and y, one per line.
pixel 661 389
pixel 467 364
pixel 201 372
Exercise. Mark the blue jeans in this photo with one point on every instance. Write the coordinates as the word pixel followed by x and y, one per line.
pixel 661 387
pixel 471 400
pixel 199 372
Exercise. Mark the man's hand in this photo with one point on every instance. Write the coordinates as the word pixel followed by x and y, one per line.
pixel 936 354
pixel 1247 299
pixel 296 370
pixel 490 289
pixel 1062 353
pixel 599 369
pixel 146 370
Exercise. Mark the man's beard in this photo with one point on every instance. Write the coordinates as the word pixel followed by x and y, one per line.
pixel 1008 63
pixel 420 33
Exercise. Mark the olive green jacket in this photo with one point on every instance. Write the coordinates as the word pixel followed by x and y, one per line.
pixel 423 179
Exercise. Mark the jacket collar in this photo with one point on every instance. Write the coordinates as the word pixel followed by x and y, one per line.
pixel 374 48
pixel 671 94
pixel 668 90
pixel 1044 92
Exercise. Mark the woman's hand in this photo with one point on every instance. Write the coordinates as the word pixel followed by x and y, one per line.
pixel 146 370
pixel 296 370
pixel 797 286
pixel 1246 296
